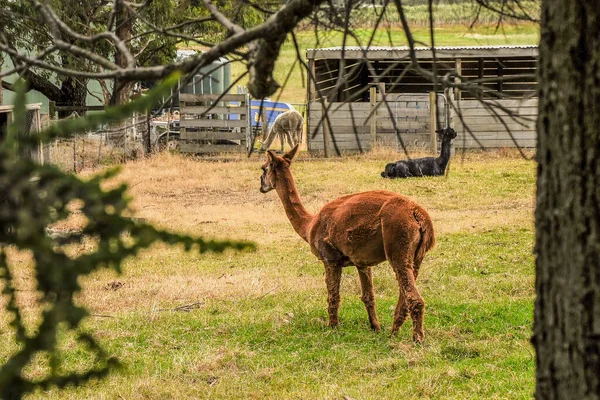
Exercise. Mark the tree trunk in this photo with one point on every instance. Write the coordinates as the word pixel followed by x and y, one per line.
pixel 121 89
pixel 1 89
pixel 567 307
pixel 124 27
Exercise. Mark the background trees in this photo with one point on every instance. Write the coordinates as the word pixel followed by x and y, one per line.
pixel 64 34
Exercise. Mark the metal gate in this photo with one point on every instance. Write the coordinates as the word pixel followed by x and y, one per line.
pixel 416 120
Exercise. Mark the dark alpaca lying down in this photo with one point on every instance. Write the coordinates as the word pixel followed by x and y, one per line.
pixel 428 166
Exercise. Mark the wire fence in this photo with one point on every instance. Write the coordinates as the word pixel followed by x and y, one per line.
pixel 129 140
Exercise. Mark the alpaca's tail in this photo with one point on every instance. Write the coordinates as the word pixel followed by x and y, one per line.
pixel 427 235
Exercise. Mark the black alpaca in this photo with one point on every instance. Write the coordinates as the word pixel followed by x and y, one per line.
pixel 428 166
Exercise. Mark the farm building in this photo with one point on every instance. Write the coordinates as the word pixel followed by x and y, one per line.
pixel 349 85
pixel 33 123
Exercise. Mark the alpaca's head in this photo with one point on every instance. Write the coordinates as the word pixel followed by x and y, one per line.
pixel 446 132
pixel 389 171
pixel 274 167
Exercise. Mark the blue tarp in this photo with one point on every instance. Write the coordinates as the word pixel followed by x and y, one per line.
pixel 272 109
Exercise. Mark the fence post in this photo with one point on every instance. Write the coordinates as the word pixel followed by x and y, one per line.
pixel 432 121
pixel 326 133
pixel 304 137
pixel 75 153
pixel 147 140
pixel 265 123
pixel 373 96
pixel 250 137
pixel 458 68
pixel 51 109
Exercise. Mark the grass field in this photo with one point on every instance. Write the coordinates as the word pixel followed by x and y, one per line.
pixel 253 325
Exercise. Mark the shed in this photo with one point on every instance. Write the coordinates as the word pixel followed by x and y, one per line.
pixel 33 123
pixel 351 82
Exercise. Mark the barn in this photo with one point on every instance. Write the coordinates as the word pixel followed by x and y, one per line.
pixel 372 95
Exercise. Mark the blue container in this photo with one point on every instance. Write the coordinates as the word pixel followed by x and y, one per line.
pixel 271 108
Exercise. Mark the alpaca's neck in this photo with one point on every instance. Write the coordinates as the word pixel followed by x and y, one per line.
pixel 295 211
pixel 445 153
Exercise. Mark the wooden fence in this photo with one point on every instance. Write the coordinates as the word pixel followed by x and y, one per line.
pixel 401 120
pixel 411 121
pixel 479 126
pixel 212 123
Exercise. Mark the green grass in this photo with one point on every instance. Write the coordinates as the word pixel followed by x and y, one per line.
pixel 257 327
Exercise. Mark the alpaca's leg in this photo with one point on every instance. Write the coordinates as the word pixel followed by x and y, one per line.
pixel 401 237
pixel 333 277
pixel 368 295
pixel 416 271
pixel 401 308
pixel 417 265
pixel 413 303
pixel 290 139
pixel 282 140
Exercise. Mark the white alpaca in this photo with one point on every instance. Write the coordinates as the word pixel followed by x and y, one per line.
pixel 287 126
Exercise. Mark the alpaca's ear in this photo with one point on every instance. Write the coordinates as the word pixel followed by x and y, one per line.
pixel 270 156
pixel 292 153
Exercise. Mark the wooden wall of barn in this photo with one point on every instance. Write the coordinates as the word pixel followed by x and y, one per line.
pixel 482 127
pixel 353 129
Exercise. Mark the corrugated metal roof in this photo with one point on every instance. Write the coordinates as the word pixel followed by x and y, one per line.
pixel 406 48
pixel 383 52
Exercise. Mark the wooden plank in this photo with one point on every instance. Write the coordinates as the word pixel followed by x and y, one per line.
pixel 345 123
pixel 432 125
pixel 494 126
pixel 337 106
pixel 388 137
pixel 466 104
pixel 490 144
pixel 529 64
pixel 203 135
pixel 530 112
pixel 517 136
pixel 420 125
pixel 325 126
pixel 212 123
pixel 214 110
pixel 340 115
pixel 481 138
pixel 311 88
pixel 410 141
pixel 402 112
pixel 337 131
pixel 492 119
pixel 373 120
pixel 199 98
pixel 340 145
pixel 186 147
pixel 346 137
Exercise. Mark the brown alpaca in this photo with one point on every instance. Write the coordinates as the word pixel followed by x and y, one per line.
pixel 361 229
